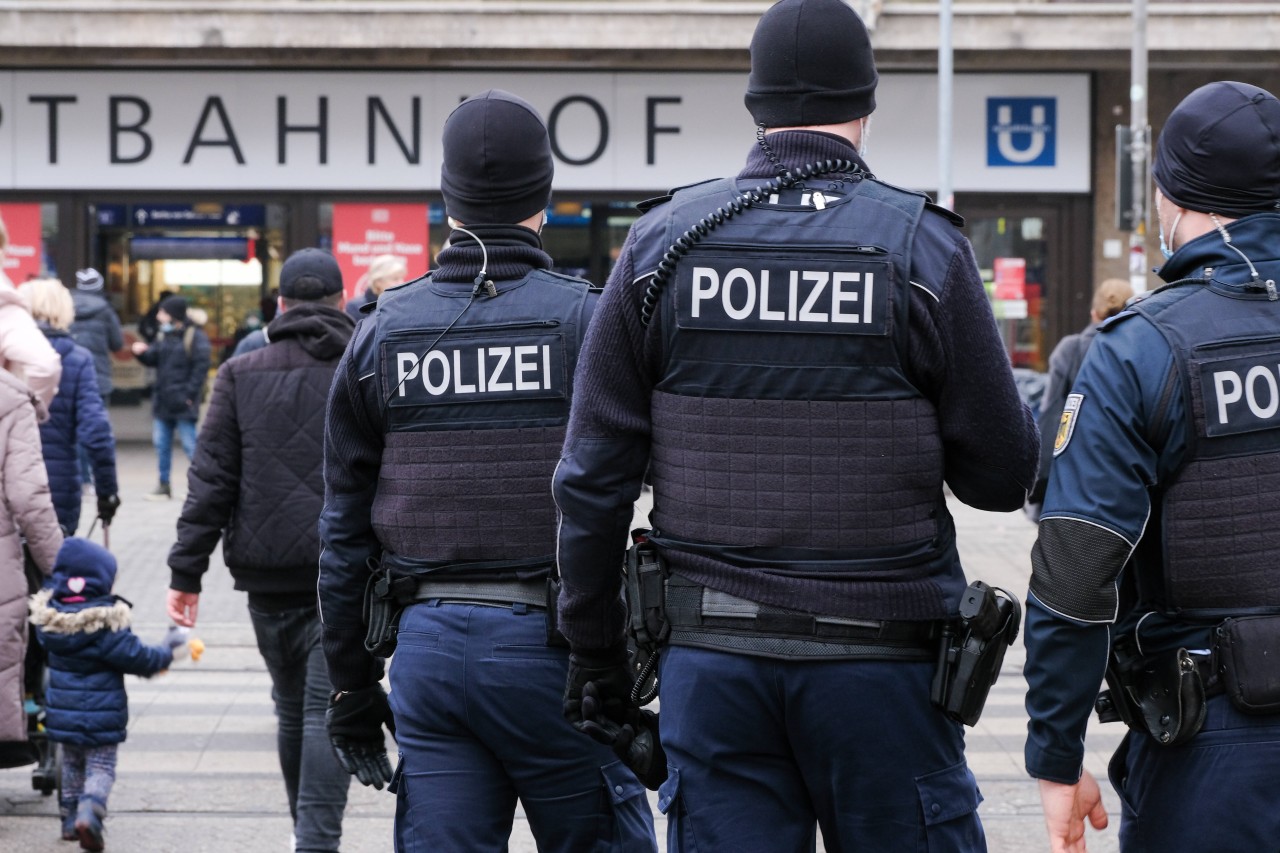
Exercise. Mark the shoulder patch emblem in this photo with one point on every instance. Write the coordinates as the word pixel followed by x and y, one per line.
pixel 1067 426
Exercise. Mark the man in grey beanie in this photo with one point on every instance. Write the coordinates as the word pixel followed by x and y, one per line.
pixel 1155 566
pixel 797 358
pixel 96 326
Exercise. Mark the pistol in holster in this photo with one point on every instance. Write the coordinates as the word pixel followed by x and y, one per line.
pixel 1161 695
pixel 972 650
pixel 644 579
pixel 385 596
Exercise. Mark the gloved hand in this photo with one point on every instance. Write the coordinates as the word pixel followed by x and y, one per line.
pixel 176 639
pixel 107 506
pixel 636 742
pixel 355 720
pixel 611 674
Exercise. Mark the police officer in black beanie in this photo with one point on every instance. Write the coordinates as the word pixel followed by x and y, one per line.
pixel 799 356
pixel 1157 550
pixel 445 421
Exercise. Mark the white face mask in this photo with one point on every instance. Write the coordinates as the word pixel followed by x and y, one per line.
pixel 864 136
pixel 1166 249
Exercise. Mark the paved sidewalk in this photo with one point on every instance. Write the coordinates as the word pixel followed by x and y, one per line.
pixel 199 770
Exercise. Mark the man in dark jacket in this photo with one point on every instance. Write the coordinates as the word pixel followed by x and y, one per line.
pixel 257 481
pixel 180 355
pixel 96 327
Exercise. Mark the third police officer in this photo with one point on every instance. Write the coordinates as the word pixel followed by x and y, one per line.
pixel 445 421
pixel 1156 557
pixel 800 357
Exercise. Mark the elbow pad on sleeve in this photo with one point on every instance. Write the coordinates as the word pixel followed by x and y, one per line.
pixel 1074 565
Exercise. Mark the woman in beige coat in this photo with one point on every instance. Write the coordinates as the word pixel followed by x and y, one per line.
pixel 26 510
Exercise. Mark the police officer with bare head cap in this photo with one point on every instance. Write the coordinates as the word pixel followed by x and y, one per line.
pixel 798 357
pixel 1156 558
pixel 445 421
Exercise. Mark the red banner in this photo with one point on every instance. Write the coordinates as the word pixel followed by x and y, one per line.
pixel 361 232
pixel 22 257
pixel 1011 278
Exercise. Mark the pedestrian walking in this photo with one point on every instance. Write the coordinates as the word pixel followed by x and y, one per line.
pixel 797 358
pixel 23 350
pixel 444 424
pixel 384 271
pixel 85 632
pixel 1154 566
pixel 180 355
pixel 257 484
pixel 96 326
pixel 77 417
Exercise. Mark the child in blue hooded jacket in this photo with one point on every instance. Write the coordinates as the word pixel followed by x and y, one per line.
pixel 85 632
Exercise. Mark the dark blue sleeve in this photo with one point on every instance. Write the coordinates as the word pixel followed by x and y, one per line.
pixel 93 428
pixel 1123 436
pixel 352 459
pixel 115 335
pixel 602 467
pixel 123 651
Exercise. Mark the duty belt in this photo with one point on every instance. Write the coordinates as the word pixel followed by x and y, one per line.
pixel 489 592
pixel 707 618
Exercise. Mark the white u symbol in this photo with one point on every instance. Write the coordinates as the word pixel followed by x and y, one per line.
pixel 1004 138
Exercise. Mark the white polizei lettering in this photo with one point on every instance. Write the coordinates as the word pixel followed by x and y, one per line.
pixel 807 314
pixel 765 313
pixel 546 366
pixel 480 352
pixel 435 357
pixel 726 294
pixel 701 274
pixel 460 387
pixel 839 297
pixel 409 361
pixel 870 285
pixel 504 355
pixel 1250 381
pixel 793 295
pixel 1221 379
pixel 523 367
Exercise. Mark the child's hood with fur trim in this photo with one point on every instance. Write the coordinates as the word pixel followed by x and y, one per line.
pixel 87 618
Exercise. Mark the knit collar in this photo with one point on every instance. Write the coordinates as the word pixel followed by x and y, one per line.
pixel 795 149
pixel 514 251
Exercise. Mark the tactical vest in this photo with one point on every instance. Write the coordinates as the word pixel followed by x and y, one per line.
pixel 474 420
pixel 1213 518
pixel 785 428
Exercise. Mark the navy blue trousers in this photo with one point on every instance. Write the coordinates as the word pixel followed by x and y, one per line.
pixel 1218 792
pixel 478 700
pixel 762 751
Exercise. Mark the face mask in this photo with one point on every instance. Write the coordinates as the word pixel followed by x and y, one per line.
pixel 864 137
pixel 166 327
pixel 1164 247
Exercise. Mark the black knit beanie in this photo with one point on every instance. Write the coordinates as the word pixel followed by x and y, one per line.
pixel 175 307
pixel 1219 151
pixel 811 64
pixel 497 166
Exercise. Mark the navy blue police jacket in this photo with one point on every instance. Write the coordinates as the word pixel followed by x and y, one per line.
pixel 942 357
pixel 1100 566
pixel 444 425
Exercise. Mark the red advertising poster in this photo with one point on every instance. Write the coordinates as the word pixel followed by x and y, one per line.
pixel 22 258
pixel 1010 278
pixel 361 232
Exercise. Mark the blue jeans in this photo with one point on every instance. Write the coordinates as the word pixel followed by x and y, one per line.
pixel 315 783
pixel 162 430
pixel 477 695
pixel 772 749
pixel 1215 792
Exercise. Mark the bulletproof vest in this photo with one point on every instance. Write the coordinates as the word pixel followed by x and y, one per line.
pixel 1217 539
pixel 474 419
pixel 784 418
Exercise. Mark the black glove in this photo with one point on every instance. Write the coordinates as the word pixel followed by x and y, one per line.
pixel 355 722
pixel 107 506
pixel 636 742
pixel 612 676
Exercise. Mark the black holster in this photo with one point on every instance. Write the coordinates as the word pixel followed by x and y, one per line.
pixel 972 651
pixel 644 580
pixel 1160 695
pixel 383 604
